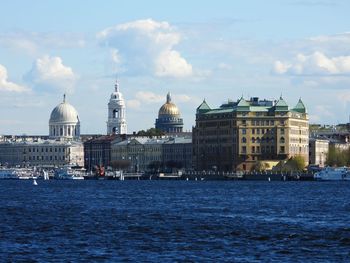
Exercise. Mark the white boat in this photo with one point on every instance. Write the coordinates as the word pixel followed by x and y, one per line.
pixel 67 173
pixel 333 174
pixel 34 182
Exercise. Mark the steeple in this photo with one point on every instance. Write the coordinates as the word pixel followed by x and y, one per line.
pixel 64 98
pixel 168 98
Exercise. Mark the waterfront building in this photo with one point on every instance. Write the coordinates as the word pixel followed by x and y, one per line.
pixel 169 118
pixel 139 152
pixel 163 152
pixel 61 147
pixel 318 150
pixel 178 151
pixel 41 153
pixel 116 123
pixel 64 122
pixel 238 134
pixel 97 151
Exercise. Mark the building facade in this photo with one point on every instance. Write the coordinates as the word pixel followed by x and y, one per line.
pixel 116 123
pixel 61 147
pixel 97 151
pixel 41 153
pixel 169 118
pixel 318 150
pixel 238 134
pixel 142 153
pixel 178 150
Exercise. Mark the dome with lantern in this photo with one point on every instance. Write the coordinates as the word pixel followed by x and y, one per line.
pixel 64 121
pixel 169 118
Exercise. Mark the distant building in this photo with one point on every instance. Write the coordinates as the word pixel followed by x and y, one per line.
pixel 318 150
pixel 97 151
pixel 41 153
pixel 169 119
pixel 141 152
pixel 116 123
pixel 61 147
pixel 238 134
pixel 179 151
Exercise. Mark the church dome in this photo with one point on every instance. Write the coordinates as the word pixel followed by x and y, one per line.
pixel 168 109
pixel 64 113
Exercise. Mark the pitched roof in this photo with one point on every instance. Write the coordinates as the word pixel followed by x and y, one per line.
pixel 300 107
pixel 203 107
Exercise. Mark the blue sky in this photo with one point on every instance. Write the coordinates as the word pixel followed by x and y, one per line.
pixel 217 50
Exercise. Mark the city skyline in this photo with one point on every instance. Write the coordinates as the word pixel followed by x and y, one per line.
pixel 217 51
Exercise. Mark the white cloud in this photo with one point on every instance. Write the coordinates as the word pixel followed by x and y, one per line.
pixel 314 64
pixel 33 43
pixel 50 72
pixel 6 85
pixel 147 46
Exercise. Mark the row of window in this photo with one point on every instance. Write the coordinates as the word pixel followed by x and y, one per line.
pixel 263 139
pixel 46 158
pixel 57 149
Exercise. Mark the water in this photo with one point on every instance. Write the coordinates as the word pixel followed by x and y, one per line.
pixel 167 221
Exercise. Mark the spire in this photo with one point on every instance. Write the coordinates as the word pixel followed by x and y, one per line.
pixel 168 98
pixel 64 98
pixel 116 86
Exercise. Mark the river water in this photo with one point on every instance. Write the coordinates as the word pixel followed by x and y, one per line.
pixel 167 221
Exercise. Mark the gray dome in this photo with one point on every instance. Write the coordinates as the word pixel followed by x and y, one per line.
pixel 64 113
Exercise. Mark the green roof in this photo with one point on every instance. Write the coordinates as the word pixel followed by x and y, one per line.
pixel 300 107
pixel 204 106
pixel 281 105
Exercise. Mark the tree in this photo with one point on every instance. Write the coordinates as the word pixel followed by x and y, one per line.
pixel 260 166
pixel 337 157
pixel 298 162
pixel 150 132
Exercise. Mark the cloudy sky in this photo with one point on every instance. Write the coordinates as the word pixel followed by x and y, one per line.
pixel 217 50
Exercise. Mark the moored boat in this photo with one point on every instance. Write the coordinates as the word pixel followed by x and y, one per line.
pixel 333 174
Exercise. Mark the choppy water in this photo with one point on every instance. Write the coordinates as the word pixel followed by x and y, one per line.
pixel 166 221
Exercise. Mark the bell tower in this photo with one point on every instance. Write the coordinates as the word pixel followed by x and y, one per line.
pixel 116 123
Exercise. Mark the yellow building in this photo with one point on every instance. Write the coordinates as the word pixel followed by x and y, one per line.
pixel 238 134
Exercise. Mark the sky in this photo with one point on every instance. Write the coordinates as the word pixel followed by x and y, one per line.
pixel 213 50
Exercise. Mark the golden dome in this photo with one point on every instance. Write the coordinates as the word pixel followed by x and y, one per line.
pixel 169 108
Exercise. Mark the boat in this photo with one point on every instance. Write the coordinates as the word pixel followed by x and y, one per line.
pixel 34 182
pixel 68 173
pixel 333 174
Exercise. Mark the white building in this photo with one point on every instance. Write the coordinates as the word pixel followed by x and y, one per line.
pixel 116 123
pixel 64 121
pixel 318 150
pixel 63 148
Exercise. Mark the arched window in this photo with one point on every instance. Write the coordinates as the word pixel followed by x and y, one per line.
pixel 115 112
pixel 244 139
pixel 282 140
pixel 253 139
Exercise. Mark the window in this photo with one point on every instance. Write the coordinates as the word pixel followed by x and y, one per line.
pixel 281 149
pixel 282 131
pixel 253 149
pixel 244 131
pixel 282 140
pixel 244 149
pixel 244 122
pixel 253 131
pixel 253 139
pixel 244 139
